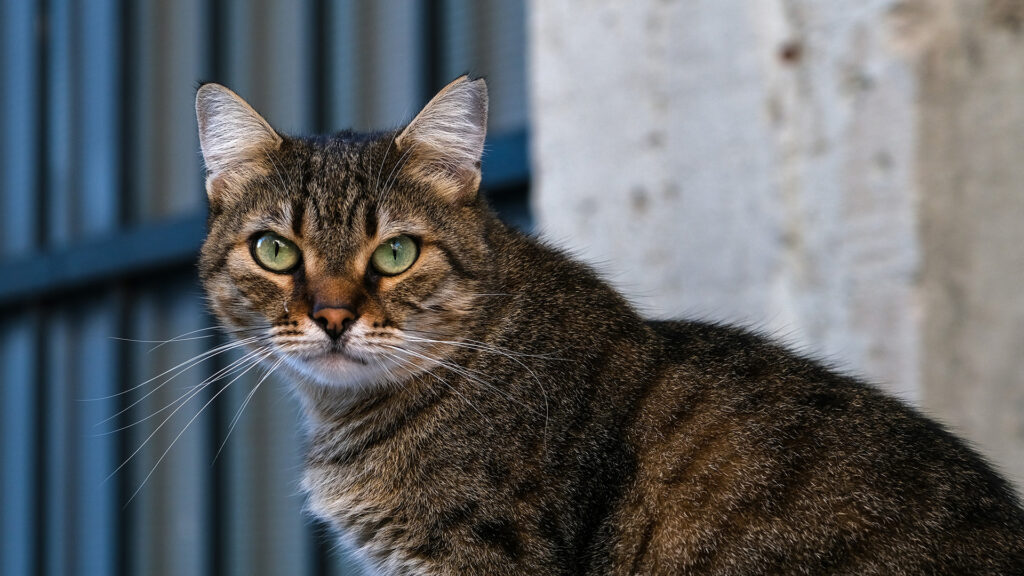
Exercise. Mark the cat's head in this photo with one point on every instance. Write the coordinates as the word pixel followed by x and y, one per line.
pixel 350 258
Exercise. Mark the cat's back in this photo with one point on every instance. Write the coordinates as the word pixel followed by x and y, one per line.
pixel 752 459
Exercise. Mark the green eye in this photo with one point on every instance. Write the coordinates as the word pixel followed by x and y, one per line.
pixel 394 256
pixel 275 253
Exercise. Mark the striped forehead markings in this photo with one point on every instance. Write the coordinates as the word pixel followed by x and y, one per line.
pixel 298 215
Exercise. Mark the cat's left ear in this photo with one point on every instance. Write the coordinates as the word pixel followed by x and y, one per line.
pixel 445 141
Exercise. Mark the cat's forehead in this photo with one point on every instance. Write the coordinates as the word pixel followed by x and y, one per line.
pixel 327 169
pixel 335 192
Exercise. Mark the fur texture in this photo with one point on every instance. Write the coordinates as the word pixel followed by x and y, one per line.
pixel 498 409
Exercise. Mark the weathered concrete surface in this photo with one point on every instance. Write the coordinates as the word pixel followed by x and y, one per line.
pixel 971 165
pixel 806 167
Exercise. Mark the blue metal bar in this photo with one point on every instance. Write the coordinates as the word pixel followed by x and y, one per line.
pixel 115 257
pixel 94 526
pixel 20 448
pixel 20 484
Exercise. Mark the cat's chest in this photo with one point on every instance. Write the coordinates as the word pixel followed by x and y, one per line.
pixel 385 495
pixel 370 514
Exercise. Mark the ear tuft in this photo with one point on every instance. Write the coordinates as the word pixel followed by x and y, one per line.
pixel 233 137
pixel 445 141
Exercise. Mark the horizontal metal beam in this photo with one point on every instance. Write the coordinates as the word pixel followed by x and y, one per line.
pixel 125 254
pixel 175 243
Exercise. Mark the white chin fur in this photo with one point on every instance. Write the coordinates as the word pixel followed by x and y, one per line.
pixel 336 370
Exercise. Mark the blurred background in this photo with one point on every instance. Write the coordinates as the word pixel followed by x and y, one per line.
pixel 846 176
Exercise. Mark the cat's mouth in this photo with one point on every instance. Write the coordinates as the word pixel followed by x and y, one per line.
pixel 335 365
pixel 345 361
pixel 339 352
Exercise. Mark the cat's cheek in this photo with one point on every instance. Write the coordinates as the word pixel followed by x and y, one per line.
pixel 226 303
pixel 417 291
pixel 263 291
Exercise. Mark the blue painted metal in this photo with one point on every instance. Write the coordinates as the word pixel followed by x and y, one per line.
pixel 19 138
pixel 506 161
pixel 20 524
pixel 58 476
pixel 124 255
pixel 60 162
pixel 19 446
pixel 97 137
pixel 94 526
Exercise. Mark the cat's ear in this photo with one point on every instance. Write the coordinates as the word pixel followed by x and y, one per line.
pixel 445 141
pixel 235 139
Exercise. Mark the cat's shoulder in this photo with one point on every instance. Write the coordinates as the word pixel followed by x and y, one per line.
pixel 717 341
pixel 748 365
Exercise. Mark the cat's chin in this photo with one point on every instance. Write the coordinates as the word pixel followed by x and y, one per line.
pixel 336 369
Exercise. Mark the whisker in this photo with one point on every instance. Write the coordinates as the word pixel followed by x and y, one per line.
pixel 463 371
pixel 161 342
pixel 237 332
pixel 199 358
pixel 196 361
pixel 473 345
pixel 183 337
pixel 430 373
pixel 383 161
pixel 477 345
pixel 192 394
pixel 189 423
pixel 238 414
pixel 392 378
pixel 222 373
pixel 277 172
pixel 393 176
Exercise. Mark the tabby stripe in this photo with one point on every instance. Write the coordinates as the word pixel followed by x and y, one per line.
pixel 298 215
pixel 317 214
pixel 454 262
pixel 382 434
pixel 348 209
pixel 356 201
pixel 644 546
pixel 370 222
pixel 366 408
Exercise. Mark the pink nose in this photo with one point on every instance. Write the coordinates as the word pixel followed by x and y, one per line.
pixel 333 319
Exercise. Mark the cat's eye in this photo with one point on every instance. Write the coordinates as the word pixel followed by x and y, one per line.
pixel 275 253
pixel 394 256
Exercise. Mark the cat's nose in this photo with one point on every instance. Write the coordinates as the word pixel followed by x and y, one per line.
pixel 333 319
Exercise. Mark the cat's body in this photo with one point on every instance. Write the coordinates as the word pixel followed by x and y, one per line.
pixel 638 448
pixel 495 408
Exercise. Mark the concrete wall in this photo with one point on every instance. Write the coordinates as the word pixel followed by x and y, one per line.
pixel 841 174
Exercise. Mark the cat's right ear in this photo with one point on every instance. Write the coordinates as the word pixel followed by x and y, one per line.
pixel 235 139
pixel 444 142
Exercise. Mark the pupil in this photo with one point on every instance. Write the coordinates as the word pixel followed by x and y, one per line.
pixel 277 248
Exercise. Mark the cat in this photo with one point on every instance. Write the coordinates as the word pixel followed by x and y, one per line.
pixel 480 403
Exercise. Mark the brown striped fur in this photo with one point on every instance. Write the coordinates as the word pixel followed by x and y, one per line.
pixel 498 409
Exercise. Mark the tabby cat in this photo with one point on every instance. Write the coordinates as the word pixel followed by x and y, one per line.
pixel 480 403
